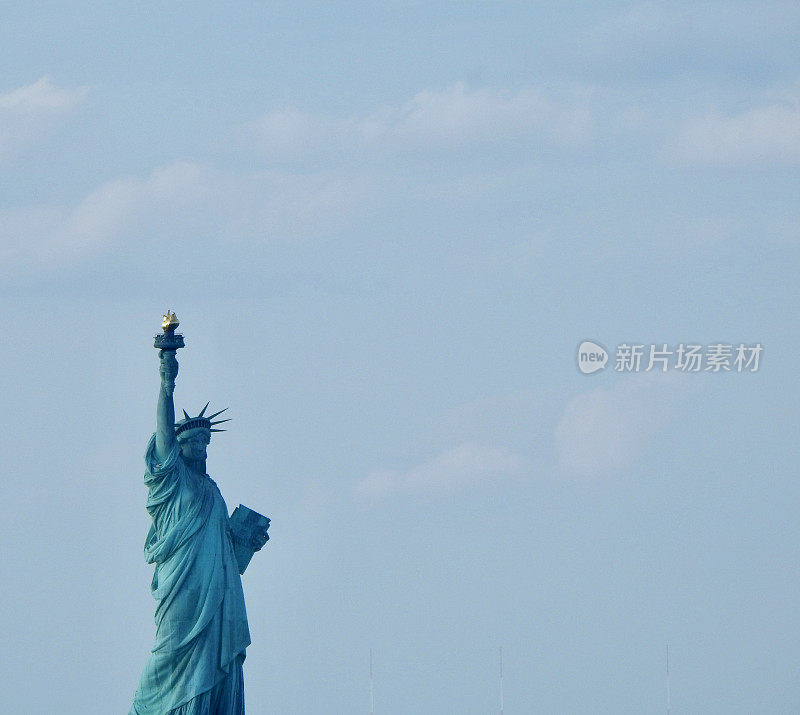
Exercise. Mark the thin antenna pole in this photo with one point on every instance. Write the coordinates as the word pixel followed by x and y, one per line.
pixel 501 680
pixel 669 698
pixel 371 690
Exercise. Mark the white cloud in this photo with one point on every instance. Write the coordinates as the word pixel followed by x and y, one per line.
pixel 50 234
pixel 642 27
pixel 460 114
pixel 177 198
pixel 605 430
pixel 456 116
pixel 652 38
pixel 41 96
pixel 289 132
pixel 466 465
pixel 769 133
pixel 273 203
pixel 29 111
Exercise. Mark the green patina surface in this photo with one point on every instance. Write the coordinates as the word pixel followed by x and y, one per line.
pixel 195 667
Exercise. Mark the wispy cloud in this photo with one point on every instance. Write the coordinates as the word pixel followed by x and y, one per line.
pixel 41 96
pixel 768 133
pixel 289 132
pixel 175 199
pixel 456 116
pixel 461 114
pixel 27 112
pixel 50 234
pixel 466 465
pixel 655 39
pixel 604 431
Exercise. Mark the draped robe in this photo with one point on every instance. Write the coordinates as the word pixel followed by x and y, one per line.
pixel 201 623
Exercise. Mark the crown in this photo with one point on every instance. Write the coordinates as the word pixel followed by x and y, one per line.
pixel 201 421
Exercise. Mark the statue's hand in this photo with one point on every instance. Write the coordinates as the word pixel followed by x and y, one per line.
pixel 168 368
pixel 259 539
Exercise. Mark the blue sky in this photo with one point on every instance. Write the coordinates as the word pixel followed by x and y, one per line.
pixel 385 229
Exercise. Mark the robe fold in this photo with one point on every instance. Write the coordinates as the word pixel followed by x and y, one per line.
pixel 201 623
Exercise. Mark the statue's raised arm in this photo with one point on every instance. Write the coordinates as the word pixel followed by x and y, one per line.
pixel 165 411
pixel 168 343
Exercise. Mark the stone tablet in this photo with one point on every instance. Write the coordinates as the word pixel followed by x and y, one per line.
pixel 247 525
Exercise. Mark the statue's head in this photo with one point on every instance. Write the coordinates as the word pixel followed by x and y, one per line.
pixel 194 434
pixel 193 444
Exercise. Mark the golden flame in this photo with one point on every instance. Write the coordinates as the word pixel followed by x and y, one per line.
pixel 169 321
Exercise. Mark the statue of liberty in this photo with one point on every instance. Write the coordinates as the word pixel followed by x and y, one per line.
pixel 195 667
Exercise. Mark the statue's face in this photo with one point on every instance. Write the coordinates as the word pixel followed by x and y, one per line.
pixel 194 448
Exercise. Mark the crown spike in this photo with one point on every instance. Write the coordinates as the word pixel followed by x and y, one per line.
pixel 201 421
